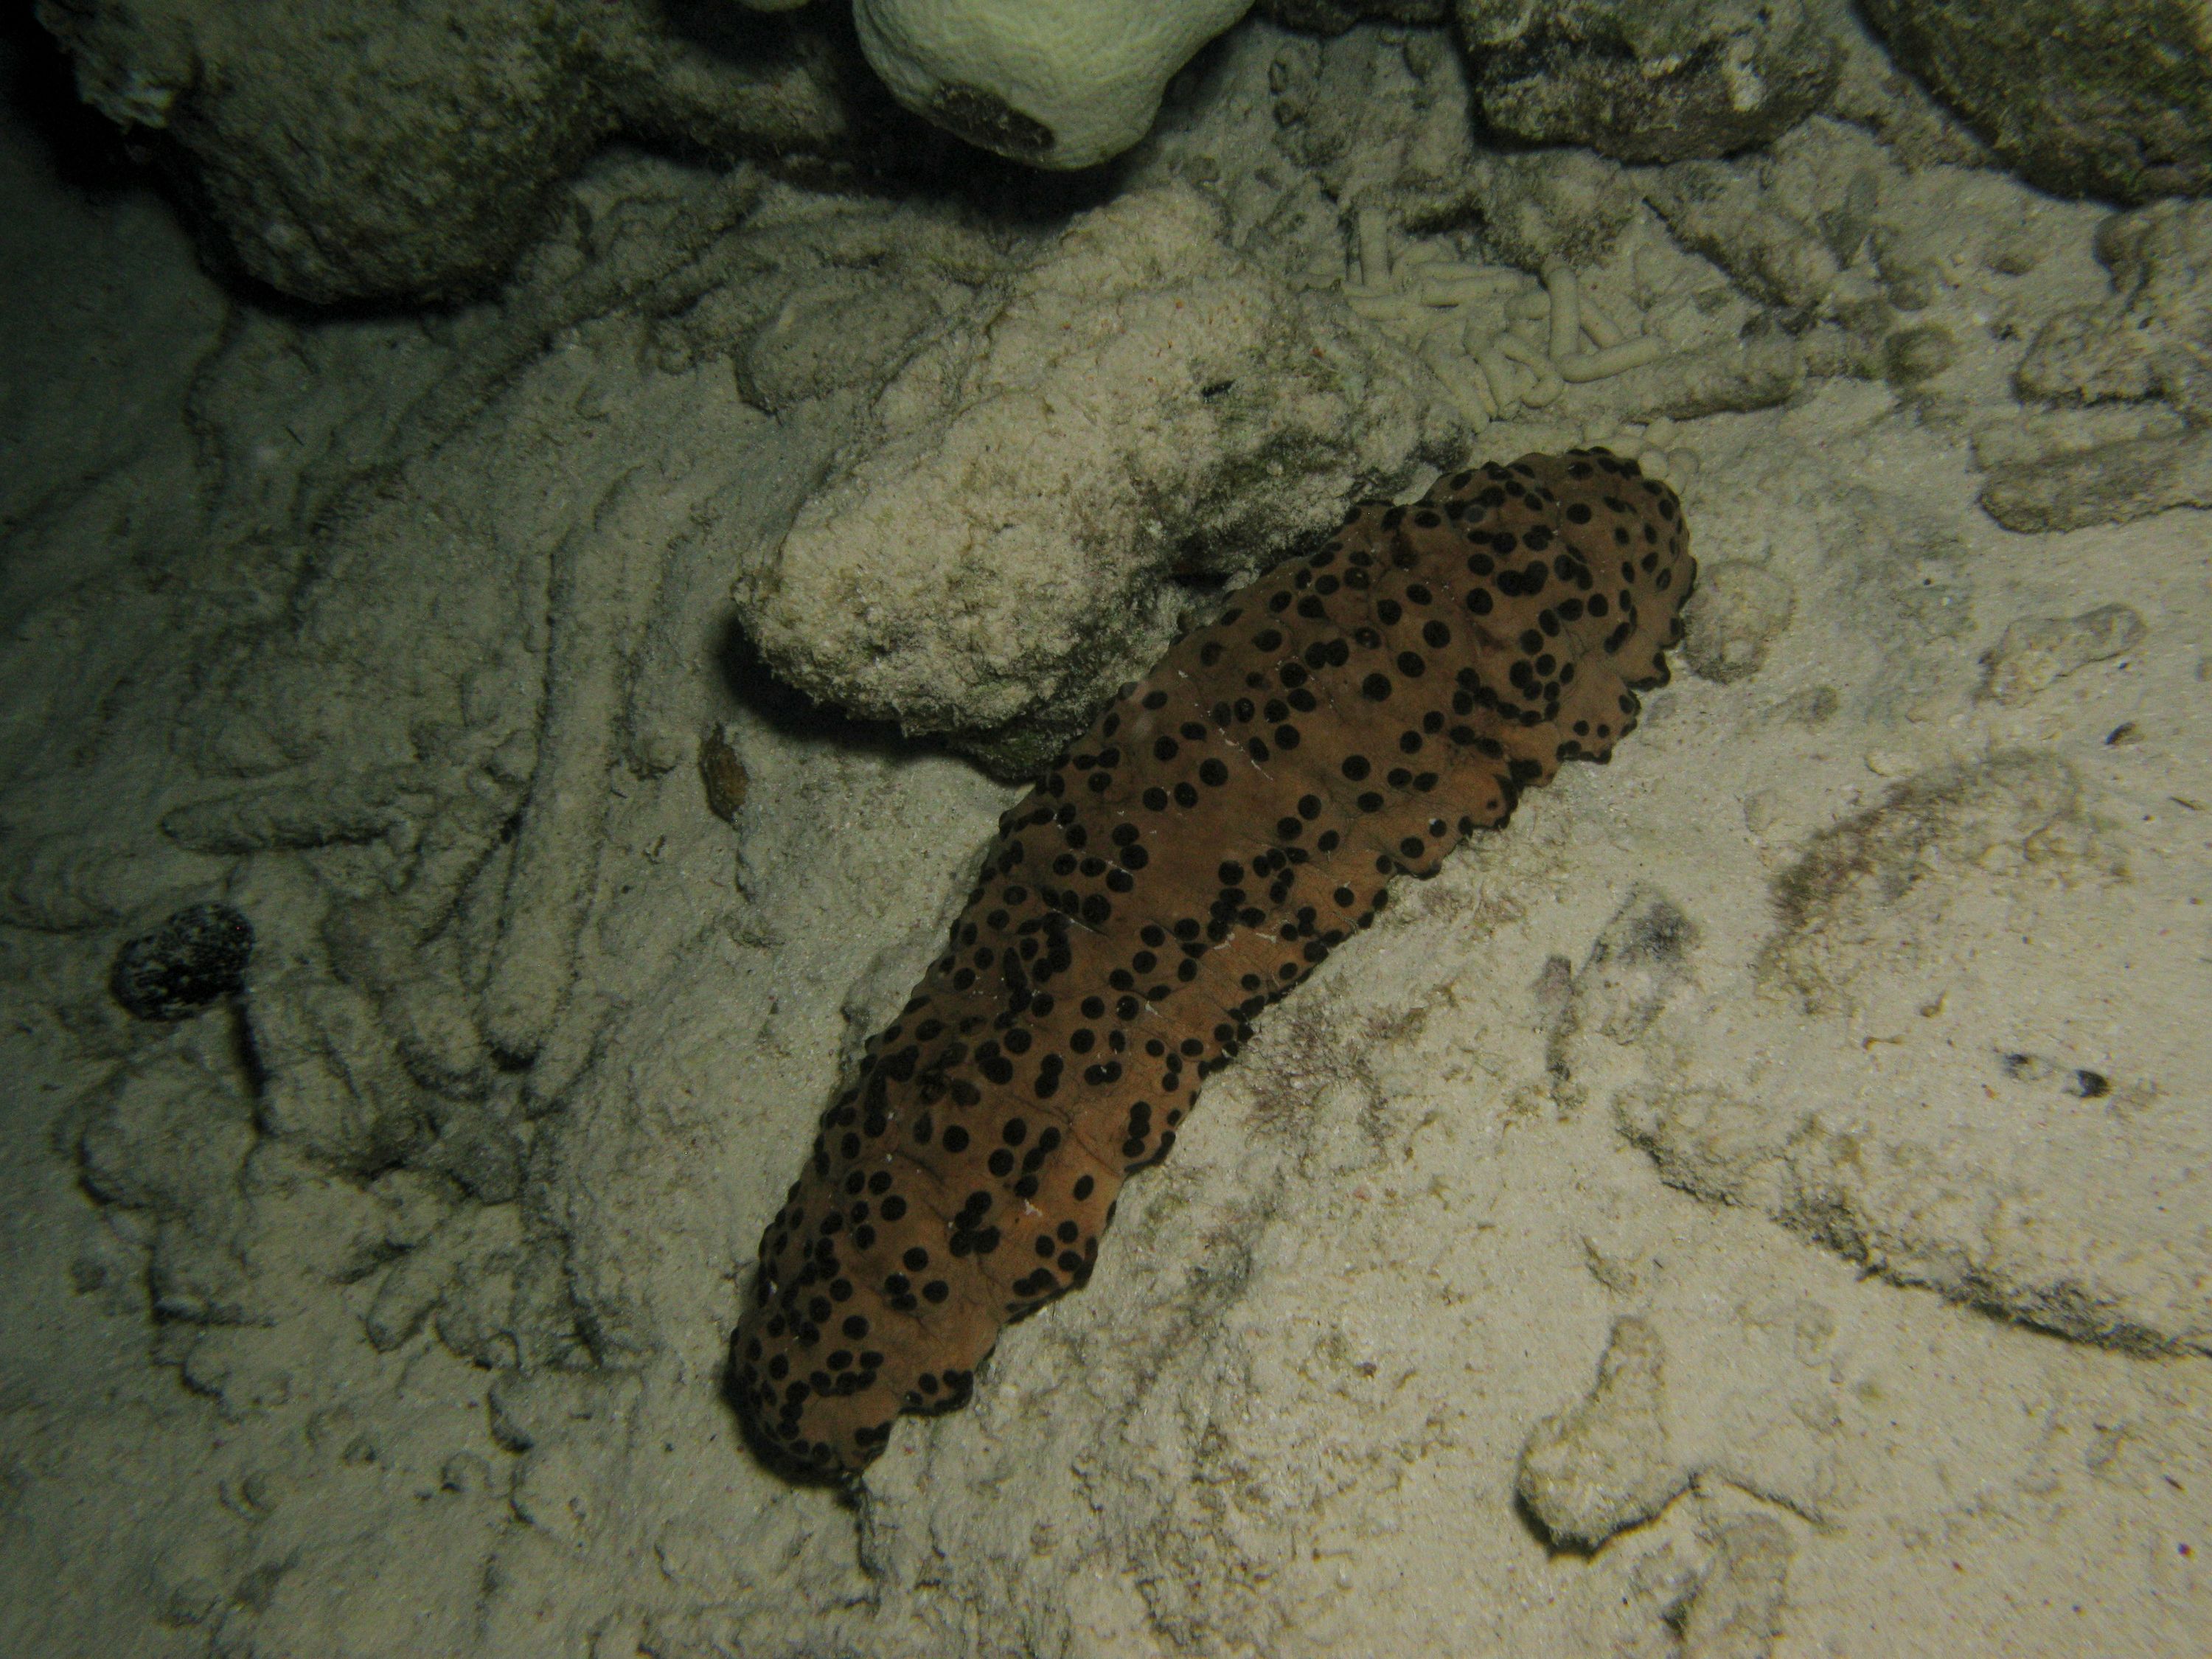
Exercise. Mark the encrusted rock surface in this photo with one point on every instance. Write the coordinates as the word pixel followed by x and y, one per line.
pixel 1645 82
pixel 2083 98
pixel 375 151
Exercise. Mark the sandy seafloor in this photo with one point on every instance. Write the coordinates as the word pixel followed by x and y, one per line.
pixel 1830 1073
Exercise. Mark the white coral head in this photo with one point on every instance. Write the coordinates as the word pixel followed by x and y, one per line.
pixel 1057 83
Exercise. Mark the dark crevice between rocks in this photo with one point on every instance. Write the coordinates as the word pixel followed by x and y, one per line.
pixel 750 682
pixel 84 148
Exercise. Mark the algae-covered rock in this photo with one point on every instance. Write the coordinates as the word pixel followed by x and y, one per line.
pixel 347 150
pixel 2083 98
pixel 1642 81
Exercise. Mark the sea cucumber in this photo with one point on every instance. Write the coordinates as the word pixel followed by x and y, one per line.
pixel 1229 820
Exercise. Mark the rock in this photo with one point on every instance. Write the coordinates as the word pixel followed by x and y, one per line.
pixel 392 152
pixel 194 958
pixel 2080 97
pixel 170 1136
pixel 2113 483
pixel 1704 1140
pixel 2044 434
pixel 67 882
pixel 332 810
pixel 1737 613
pixel 2162 266
pixel 1761 370
pixel 1552 205
pixel 1981 1148
pixel 1603 1465
pixel 1635 967
pixel 1648 82
pixel 2157 342
pixel 334 173
pixel 1911 279
pixel 1382 122
pixel 170 1133
pixel 2160 258
pixel 417 1284
pixel 1736 1612
pixel 999 544
pixel 2084 357
pixel 1783 223
pixel 702 76
pixel 426 1013
pixel 2038 651
pixel 332 1085
pixel 1912 357
pixel 1872 93
pixel 1852 880
pixel 850 329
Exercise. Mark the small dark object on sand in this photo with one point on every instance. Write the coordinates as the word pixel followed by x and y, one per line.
pixel 196 956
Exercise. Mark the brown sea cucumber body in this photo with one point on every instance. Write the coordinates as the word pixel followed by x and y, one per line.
pixel 1230 819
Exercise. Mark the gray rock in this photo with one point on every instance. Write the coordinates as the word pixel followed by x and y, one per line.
pixel 1880 929
pixel 1726 213
pixel 2157 339
pixel 350 150
pixel 1763 368
pixel 1646 81
pixel 1854 875
pixel 2082 356
pixel 2160 258
pixel 169 1136
pixel 2155 344
pixel 1913 356
pixel 1872 93
pixel 850 329
pixel 1784 223
pixel 1736 1612
pixel 2081 97
pixel 170 1133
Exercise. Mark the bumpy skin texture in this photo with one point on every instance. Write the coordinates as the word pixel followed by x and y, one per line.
pixel 1229 820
